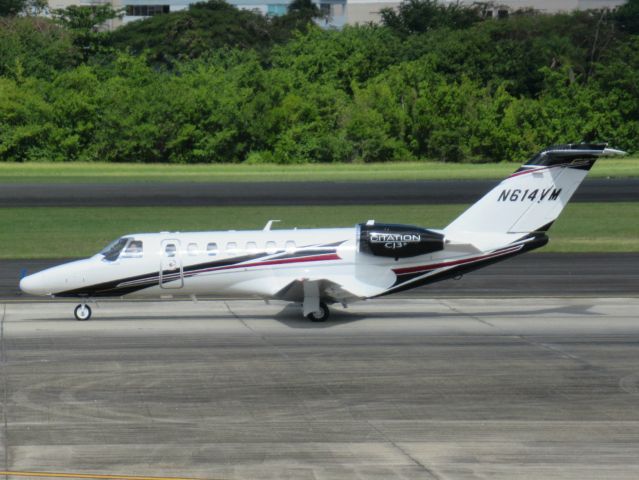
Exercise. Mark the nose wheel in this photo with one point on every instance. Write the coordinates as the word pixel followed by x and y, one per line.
pixel 82 312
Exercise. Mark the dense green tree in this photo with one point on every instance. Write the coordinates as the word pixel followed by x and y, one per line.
pixel 419 16
pixel 304 7
pixel 35 46
pixel 353 54
pixel 87 25
pixel 627 16
pixel 196 32
pixel 11 7
pixel 25 7
pixel 216 84
pixel 515 50
pixel 300 16
pixel 26 121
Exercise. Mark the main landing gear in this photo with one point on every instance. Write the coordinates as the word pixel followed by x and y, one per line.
pixel 321 315
pixel 312 306
pixel 82 312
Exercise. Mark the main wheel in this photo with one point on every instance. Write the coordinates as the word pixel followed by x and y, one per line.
pixel 320 316
pixel 82 312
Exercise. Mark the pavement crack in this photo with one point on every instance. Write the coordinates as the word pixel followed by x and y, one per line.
pixel 238 318
pixel 404 452
pixel 332 394
pixel 465 314
pixel 554 349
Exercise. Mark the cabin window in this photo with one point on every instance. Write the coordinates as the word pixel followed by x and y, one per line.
pixel 290 246
pixel 170 250
pixel 231 248
pixel 211 249
pixel 133 249
pixel 251 247
pixel 112 251
pixel 193 249
pixel 271 247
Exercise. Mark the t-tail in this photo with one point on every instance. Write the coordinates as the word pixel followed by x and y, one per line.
pixel 524 205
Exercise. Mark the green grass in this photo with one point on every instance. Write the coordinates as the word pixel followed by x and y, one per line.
pixel 73 232
pixel 128 172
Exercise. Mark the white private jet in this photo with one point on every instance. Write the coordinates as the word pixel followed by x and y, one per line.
pixel 319 267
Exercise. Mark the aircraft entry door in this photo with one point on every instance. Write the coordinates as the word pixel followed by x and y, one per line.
pixel 171 272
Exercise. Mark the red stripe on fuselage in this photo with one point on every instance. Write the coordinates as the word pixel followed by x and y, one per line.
pixel 314 258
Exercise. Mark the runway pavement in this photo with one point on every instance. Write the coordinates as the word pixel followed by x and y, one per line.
pixel 284 193
pixel 395 388
pixel 538 274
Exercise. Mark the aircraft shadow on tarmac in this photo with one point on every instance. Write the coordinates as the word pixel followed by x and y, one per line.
pixel 128 318
pixel 290 316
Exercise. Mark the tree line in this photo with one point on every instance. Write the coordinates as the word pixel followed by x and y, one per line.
pixel 218 84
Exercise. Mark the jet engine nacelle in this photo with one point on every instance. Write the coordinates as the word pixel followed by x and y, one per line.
pixel 398 241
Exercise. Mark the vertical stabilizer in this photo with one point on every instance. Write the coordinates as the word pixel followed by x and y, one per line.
pixel 532 198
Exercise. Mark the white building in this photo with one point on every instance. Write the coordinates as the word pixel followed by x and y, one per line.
pixel 361 11
pixel 337 12
pixel 553 6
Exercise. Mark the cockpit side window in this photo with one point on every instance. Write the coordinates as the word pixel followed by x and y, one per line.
pixel 112 251
pixel 133 249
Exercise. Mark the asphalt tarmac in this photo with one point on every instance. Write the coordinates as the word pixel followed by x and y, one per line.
pixel 491 388
pixel 537 274
pixel 284 193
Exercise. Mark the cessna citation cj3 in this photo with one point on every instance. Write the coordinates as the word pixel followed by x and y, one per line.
pixel 319 267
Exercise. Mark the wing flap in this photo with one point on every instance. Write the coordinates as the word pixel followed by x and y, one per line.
pixel 329 291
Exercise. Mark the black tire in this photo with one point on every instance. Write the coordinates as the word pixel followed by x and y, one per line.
pixel 82 314
pixel 322 317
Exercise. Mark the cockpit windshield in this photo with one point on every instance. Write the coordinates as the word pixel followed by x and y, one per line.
pixel 112 251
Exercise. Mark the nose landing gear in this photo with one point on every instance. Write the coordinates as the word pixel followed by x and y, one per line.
pixel 82 312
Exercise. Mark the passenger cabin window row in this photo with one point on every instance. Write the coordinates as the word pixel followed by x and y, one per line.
pixel 231 248
pixel 127 247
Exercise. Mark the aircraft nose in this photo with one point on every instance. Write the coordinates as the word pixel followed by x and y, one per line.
pixel 33 284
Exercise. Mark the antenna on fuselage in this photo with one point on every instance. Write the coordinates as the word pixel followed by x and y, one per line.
pixel 269 224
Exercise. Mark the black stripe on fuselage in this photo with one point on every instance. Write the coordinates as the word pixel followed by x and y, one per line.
pixel 539 241
pixel 114 288
pixel 128 285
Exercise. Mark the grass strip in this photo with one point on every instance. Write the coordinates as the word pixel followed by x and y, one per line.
pixel 51 232
pixel 129 172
